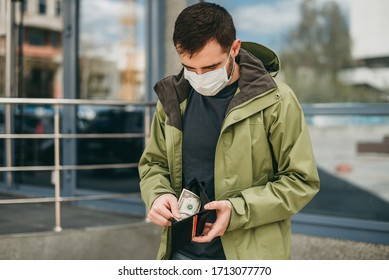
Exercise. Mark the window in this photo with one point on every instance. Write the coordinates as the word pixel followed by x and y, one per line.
pixel 111 46
pixel 42 7
pixel 39 72
pixel 111 49
pixel 55 39
pixel 35 37
pixel 58 8
pixel 40 83
pixel 23 6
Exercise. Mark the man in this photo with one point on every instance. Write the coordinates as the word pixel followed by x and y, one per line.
pixel 227 122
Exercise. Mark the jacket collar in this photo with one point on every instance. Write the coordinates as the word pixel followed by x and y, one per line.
pixel 254 81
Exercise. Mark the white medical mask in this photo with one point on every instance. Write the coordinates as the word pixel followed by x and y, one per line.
pixel 209 83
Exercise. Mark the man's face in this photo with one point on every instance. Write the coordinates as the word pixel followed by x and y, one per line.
pixel 210 58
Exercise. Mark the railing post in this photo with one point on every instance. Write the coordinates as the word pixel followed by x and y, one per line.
pixel 9 85
pixel 57 170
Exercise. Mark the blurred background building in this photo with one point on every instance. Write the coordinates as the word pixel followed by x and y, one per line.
pixel 76 98
pixel 370 47
pixel 38 48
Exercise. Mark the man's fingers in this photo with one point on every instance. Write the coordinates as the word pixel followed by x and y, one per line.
pixel 207 237
pixel 164 212
pixel 158 219
pixel 207 228
pixel 174 209
pixel 160 215
pixel 163 209
pixel 213 205
pixel 223 210
pixel 210 232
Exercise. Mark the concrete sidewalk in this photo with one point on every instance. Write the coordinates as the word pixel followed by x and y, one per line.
pixel 26 232
pixel 318 248
pixel 139 241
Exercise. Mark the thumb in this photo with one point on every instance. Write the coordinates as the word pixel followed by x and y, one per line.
pixel 174 208
pixel 211 205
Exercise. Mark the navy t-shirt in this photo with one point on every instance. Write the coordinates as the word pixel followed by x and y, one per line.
pixel 203 119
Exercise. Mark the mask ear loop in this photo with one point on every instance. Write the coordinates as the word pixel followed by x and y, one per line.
pixel 233 66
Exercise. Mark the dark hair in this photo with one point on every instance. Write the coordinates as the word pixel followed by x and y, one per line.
pixel 196 25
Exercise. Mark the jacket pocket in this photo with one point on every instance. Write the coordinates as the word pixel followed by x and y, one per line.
pixel 263 242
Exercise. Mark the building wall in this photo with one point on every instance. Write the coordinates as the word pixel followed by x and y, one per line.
pixel 2 19
pixel 41 49
pixel 172 60
pixel 49 20
pixel 367 20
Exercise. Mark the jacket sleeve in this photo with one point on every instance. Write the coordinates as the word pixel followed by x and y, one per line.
pixel 296 179
pixel 153 164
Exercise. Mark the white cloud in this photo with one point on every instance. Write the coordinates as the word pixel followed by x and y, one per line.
pixel 102 31
pixel 101 20
pixel 266 18
pixel 274 17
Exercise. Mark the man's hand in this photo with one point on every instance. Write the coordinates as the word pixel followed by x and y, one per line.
pixel 164 208
pixel 223 214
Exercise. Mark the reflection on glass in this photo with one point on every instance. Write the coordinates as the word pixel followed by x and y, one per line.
pixel 111 59
pixel 3 37
pixel 111 67
pixel 2 65
pixel 38 74
pixel 353 158
pixel 331 51
pixel 40 50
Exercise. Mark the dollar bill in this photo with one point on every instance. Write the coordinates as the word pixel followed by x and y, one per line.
pixel 188 203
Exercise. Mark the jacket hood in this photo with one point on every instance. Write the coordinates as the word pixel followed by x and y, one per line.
pixel 268 57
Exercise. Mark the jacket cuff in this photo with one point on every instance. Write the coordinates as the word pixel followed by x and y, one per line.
pixel 237 213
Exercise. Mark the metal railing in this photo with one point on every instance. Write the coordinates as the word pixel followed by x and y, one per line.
pixel 346 109
pixel 57 136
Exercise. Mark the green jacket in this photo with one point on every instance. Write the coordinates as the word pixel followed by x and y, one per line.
pixel 264 163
